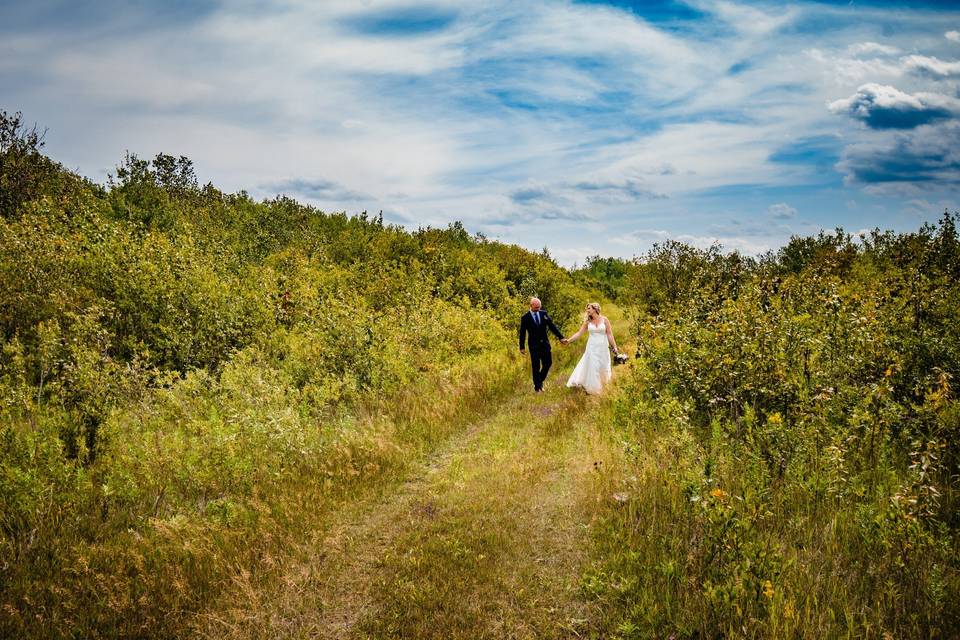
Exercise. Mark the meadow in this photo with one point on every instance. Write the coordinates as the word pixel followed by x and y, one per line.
pixel 223 417
pixel 790 442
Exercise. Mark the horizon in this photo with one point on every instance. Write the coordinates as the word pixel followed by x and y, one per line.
pixel 587 128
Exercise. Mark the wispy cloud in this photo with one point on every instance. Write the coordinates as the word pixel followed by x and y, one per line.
pixel 862 48
pixel 610 191
pixel 924 209
pixel 587 119
pixel 528 195
pixel 315 189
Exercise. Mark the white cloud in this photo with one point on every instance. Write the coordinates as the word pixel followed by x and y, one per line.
pixel 875 94
pixel 748 19
pixel 707 155
pixel 573 255
pixel 781 211
pixel 924 209
pixel 953 36
pixel 746 245
pixel 603 110
pixel 643 239
pixel 308 36
pixel 642 235
pixel 883 106
pixel 931 66
pixel 656 60
pixel 871 47
pixel 119 80
pixel 845 70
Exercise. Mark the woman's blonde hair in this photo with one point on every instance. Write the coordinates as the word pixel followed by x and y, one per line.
pixel 592 305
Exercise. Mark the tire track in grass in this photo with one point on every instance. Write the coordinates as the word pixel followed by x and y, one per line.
pixel 323 579
pixel 501 548
pixel 486 538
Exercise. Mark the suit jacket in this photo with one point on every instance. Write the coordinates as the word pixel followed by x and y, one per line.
pixel 538 338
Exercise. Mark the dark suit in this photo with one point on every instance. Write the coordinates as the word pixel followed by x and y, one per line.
pixel 539 341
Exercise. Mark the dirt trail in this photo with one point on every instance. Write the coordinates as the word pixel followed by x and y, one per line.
pixel 485 538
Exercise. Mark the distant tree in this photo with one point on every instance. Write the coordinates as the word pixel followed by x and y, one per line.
pixel 24 170
pixel 828 252
pixel 606 275
pixel 174 175
pixel 149 191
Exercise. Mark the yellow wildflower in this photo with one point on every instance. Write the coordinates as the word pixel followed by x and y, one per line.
pixel 768 588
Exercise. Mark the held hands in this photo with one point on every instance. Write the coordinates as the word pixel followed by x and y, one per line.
pixel 564 341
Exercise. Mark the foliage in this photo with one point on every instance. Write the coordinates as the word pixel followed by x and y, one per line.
pixel 606 275
pixel 25 173
pixel 805 406
pixel 182 370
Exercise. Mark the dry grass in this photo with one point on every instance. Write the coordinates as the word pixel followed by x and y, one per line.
pixel 679 557
pixel 488 536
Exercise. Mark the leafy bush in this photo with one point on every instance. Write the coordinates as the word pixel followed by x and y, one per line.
pixel 818 482
pixel 183 370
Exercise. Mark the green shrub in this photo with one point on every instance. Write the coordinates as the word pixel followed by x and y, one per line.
pixel 188 378
pixel 820 495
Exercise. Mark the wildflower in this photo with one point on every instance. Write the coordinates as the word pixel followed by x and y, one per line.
pixel 719 493
pixel 768 589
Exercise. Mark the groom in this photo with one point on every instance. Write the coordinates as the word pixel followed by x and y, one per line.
pixel 536 322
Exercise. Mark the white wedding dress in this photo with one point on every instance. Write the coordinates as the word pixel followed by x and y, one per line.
pixel 593 370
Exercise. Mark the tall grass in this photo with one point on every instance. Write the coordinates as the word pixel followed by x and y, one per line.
pixel 209 479
pixel 790 446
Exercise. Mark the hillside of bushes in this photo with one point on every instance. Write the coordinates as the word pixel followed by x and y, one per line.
pixel 792 437
pixel 184 373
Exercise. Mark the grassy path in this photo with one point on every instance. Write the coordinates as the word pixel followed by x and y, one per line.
pixel 485 538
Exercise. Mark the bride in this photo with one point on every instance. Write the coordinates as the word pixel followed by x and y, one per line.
pixel 593 370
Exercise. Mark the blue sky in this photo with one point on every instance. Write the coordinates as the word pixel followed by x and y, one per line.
pixel 587 127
